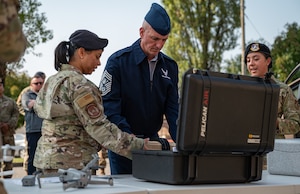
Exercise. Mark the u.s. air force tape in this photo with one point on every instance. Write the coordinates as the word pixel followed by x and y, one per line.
pixel 88 101
pixel 85 100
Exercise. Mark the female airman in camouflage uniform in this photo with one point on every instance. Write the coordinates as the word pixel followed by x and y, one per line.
pixel 259 61
pixel 74 125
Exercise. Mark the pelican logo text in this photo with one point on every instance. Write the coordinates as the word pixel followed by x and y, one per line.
pixel 204 112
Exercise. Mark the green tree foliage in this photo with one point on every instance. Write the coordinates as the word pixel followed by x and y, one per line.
pixel 233 65
pixel 14 84
pixel 36 33
pixel 34 24
pixel 201 31
pixel 286 51
pixel 34 29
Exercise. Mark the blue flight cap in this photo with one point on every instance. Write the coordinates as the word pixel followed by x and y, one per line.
pixel 159 19
pixel 87 40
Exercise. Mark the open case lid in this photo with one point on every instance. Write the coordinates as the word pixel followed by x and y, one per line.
pixel 226 113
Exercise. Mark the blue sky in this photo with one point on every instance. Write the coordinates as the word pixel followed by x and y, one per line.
pixel 120 20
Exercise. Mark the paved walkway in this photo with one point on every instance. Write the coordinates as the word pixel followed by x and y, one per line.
pixel 19 172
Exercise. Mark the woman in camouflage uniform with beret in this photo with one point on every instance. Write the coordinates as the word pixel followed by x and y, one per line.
pixel 74 125
pixel 259 61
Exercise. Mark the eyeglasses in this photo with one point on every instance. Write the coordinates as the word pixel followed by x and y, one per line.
pixel 38 83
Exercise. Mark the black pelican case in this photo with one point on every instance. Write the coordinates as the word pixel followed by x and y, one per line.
pixel 226 126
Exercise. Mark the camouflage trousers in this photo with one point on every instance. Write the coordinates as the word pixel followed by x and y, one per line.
pixel 102 161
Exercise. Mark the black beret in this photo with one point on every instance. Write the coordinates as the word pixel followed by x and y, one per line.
pixel 159 19
pixel 87 40
pixel 258 47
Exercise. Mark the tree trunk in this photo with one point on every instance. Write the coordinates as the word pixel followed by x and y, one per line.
pixel 3 70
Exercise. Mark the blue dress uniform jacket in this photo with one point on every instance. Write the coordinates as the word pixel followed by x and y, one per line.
pixel 134 103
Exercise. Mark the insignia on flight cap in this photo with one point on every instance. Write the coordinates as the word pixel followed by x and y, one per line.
pixel 254 47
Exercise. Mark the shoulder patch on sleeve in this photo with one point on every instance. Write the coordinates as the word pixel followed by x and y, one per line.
pixel 93 111
pixel 85 100
pixel 106 82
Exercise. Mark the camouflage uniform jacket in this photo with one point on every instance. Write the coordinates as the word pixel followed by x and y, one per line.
pixel 12 39
pixel 74 123
pixel 19 100
pixel 288 112
pixel 9 114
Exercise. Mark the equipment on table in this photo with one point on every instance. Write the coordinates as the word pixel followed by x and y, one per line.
pixel 71 178
pixel 226 126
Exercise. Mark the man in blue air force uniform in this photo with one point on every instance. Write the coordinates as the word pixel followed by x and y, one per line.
pixel 140 85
